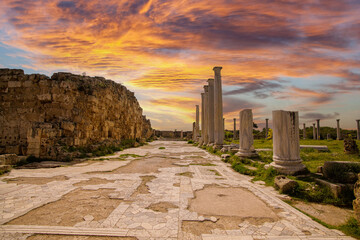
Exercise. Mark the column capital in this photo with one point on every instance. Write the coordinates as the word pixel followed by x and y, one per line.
pixel 210 80
pixel 337 119
pixel 317 120
pixel 206 88
pixel 217 70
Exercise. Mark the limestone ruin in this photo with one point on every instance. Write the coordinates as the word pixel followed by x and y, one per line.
pixel 43 116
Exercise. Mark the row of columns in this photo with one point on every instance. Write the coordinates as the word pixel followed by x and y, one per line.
pixel 212 123
pixel 316 129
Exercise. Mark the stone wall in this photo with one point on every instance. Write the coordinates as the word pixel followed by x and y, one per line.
pixel 40 115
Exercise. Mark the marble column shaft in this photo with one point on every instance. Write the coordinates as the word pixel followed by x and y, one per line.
pixel 202 117
pixel 197 130
pixel 304 131
pixel 218 108
pixel 314 132
pixel 206 115
pixel 193 131
pixel 338 129
pixel 358 129
pixel 234 134
pixel 286 146
pixel 318 129
pixel 266 128
pixel 246 138
pixel 211 122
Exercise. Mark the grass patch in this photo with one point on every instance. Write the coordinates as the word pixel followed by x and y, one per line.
pixel 190 141
pixel 307 190
pixel 4 171
pixel 161 147
pixel 351 228
pixel 203 164
pixel 32 159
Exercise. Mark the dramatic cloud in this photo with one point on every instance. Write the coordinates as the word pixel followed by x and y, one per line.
pixel 168 46
pixel 314 116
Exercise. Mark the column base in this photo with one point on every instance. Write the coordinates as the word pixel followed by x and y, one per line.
pixel 246 153
pixel 218 146
pixel 295 169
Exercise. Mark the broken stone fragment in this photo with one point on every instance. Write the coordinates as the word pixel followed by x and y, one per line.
pixel 284 184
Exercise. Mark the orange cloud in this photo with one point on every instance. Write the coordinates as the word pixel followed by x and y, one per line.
pixel 171 46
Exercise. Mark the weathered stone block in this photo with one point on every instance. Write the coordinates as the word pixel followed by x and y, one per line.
pixel 14 84
pixel 8 159
pixel 341 171
pixel 284 184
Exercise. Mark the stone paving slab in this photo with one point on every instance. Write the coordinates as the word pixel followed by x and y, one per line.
pixel 174 185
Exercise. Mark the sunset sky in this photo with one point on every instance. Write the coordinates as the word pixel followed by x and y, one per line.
pixel 299 55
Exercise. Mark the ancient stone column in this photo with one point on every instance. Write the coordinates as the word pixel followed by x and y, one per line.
pixel 218 109
pixel 338 129
pixel 197 127
pixel 314 131
pixel 304 131
pixel 266 128
pixel 224 126
pixel 234 135
pixel 206 115
pixel 193 131
pixel 328 136
pixel 211 123
pixel 358 129
pixel 246 139
pixel 318 129
pixel 286 150
pixel 181 134
pixel 202 118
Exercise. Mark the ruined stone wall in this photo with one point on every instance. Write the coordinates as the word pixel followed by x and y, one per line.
pixel 39 115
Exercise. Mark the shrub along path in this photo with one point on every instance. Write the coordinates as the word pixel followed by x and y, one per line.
pixel 164 190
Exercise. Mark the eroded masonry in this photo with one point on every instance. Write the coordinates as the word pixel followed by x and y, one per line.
pixel 43 116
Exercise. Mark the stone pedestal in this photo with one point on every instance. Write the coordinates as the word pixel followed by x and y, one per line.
pixel 266 128
pixel 234 134
pixel 246 139
pixel 286 150
pixel 206 115
pixel 211 122
pixel 304 131
pixel 358 129
pixel 338 134
pixel 218 109
pixel 314 131
pixel 318 129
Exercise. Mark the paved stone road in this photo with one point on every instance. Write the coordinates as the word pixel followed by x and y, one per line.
pixel 156 193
